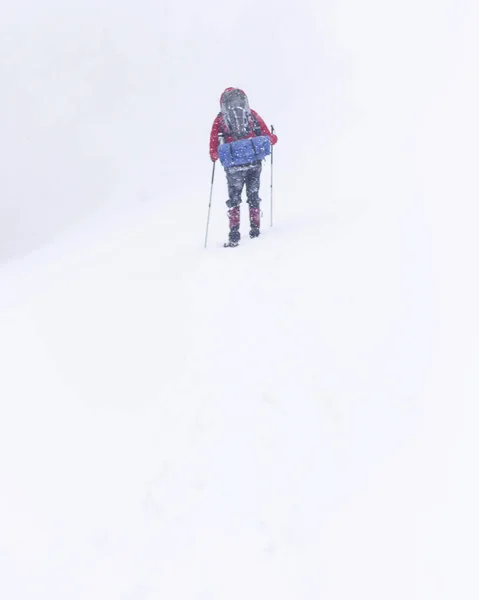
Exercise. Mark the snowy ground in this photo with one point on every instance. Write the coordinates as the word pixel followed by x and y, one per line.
pixel 292 419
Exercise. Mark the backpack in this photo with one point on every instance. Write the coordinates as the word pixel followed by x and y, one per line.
pixel 237 119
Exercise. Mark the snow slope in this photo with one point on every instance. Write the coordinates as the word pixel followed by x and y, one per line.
pixel 294 418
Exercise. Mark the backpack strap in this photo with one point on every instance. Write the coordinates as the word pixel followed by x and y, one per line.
pixel 222 128
pixel 256 125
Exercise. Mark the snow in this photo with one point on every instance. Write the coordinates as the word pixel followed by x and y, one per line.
pixel 294 418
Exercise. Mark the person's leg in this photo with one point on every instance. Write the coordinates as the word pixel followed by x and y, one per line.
pixel 236 180
pixel 253 178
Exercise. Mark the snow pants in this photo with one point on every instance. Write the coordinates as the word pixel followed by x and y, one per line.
pixel 239 177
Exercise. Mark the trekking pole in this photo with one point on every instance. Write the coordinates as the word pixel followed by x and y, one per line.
pixel 271 186
pixel 209 206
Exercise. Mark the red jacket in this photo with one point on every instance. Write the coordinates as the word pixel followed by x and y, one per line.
pixel 217 127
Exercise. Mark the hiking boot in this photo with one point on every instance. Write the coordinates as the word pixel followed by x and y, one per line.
pixel 234 235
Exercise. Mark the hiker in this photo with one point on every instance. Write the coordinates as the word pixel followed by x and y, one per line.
pixel 247 141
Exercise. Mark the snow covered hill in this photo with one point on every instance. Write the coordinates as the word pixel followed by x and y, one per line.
pixel 292 419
